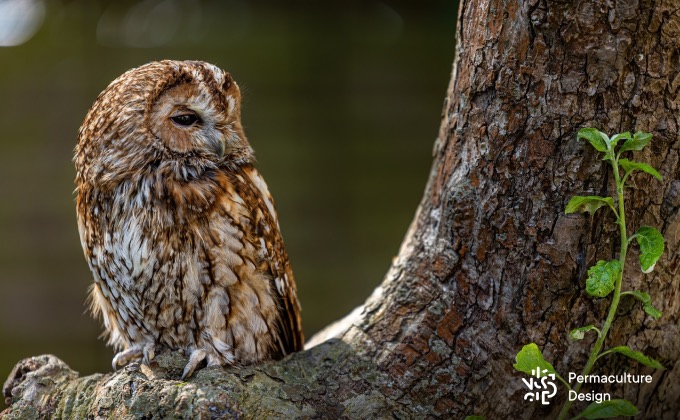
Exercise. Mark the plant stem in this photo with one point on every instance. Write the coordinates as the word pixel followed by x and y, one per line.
pixel 617 290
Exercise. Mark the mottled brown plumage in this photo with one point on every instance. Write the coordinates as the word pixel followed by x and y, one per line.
pixel 176 224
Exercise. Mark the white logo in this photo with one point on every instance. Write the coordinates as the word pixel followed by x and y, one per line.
pixel 540 387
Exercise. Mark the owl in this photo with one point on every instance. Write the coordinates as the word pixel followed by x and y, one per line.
pixel 177 226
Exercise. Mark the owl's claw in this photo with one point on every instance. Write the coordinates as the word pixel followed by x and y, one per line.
pixel 126 356
pixel 149 352
pixel 196 357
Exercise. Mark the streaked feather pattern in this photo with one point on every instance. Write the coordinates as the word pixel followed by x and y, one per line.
pixel 177 226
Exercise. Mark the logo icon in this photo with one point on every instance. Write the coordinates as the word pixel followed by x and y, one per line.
pixel 542 387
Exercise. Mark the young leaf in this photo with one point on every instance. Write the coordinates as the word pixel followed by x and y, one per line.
pixel 595 137
pixel 630 166
pixel 602 278
pixel 651 247
pixel 646 303
pixel 638 142
pixel 530 358
pixel 588 204
pixel 652 311
pixel 579 333
pixel 641 296
pixel 618 137
pixel 611 408
pixel 636 355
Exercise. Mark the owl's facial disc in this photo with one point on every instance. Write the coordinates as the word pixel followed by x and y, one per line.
pixel 183 119
pixel 206 136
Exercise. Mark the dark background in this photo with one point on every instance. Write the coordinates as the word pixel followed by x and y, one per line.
pixel 342 104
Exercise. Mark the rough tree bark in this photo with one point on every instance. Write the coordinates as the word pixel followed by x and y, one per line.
pixel 491 262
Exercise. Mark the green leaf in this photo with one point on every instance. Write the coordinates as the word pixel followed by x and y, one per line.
pixel 475 418
pixel 641 296
pixel 595 137
pixel 611 408
pixel 651 247
pixel 614 140
pixel 579 333
pixel 588 203
pixel 636 355
pixel 652 311
pixel 638 142
pixel 646 303
pixel 630 166
pixel 530 358
pixel 602 278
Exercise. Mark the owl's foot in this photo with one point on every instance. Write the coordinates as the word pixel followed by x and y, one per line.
pixel 199 355
pixel 149 352
pixel 196 357
pixel 146 353
pixel 126 356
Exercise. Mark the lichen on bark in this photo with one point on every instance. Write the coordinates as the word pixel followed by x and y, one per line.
pixel 299 386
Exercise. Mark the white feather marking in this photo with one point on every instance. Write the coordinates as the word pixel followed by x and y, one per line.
pixel 237 198
pixel 279 285
pixel 264 191
pixel 257 324
pixel 263 248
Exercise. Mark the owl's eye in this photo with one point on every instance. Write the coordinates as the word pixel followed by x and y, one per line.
pixel 185 119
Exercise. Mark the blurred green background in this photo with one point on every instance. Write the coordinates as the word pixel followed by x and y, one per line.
pixel 342 103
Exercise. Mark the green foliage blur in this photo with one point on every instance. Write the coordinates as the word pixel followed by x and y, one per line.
pixel 342 104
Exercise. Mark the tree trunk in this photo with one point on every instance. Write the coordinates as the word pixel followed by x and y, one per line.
pixel 490 262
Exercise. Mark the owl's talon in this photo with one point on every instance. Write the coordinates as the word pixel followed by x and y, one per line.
pixel 126 356
pixel 149 352
pixel 196 357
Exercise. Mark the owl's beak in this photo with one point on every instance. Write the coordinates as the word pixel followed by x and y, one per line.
pixel 216 145
pixel 219 148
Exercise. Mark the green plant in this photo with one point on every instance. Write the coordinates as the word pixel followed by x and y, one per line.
pixel 606 277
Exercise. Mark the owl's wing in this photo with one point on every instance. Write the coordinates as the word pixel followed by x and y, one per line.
pixel 265 224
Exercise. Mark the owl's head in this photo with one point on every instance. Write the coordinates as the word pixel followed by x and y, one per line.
pixel 196 109
pixel 181 116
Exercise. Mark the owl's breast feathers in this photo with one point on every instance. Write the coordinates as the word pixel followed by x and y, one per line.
pixel 194 263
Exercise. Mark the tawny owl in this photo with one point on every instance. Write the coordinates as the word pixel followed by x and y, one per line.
pixel 176 224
